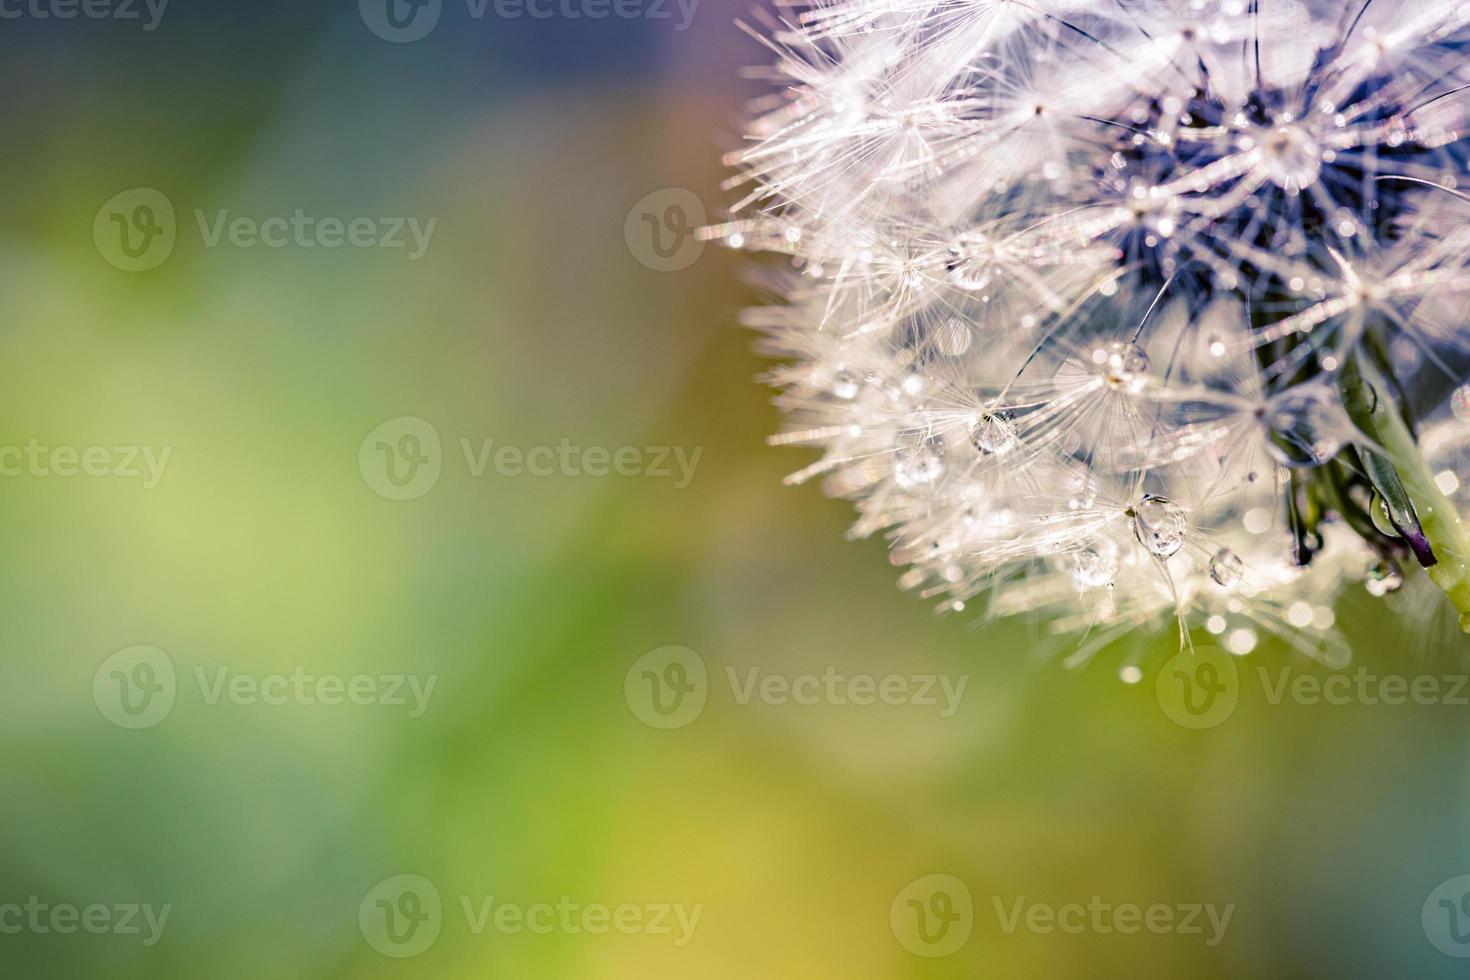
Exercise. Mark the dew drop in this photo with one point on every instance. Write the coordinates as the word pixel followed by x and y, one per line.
pixel 971 263
pixel 1124 366
pixel 1378 510
pixel 919 464
pixel 1226 568
pixel 1096 564
pixel 1160 525
pixel 845 384
pixel 1308 426
pixel 993 434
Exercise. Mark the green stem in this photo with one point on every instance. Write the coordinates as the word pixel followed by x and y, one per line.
pixel 1442 524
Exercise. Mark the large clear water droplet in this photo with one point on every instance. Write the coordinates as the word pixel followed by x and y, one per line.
pixel 1160 525
pixel 994 434
pixel 971 262
pixel 1227 568
pixel 1308 426
pixel 1095 565
pixel 1378 510
pixel 919 463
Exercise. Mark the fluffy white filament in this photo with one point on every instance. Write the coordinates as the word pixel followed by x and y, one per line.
pixel 1072 284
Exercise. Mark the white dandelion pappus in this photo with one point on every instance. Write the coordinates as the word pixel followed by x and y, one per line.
pixel 1126 310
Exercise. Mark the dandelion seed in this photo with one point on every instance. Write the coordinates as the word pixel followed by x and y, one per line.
pixel 1101 304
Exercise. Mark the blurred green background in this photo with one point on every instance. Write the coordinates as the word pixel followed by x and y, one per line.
pixel 539 314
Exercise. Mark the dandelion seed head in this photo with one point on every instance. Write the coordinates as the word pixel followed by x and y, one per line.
pixel 1071 291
